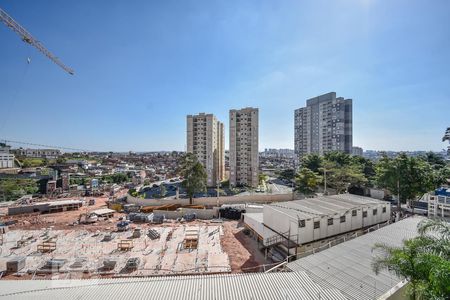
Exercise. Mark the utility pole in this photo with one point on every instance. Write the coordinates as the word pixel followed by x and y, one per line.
pixel 324 181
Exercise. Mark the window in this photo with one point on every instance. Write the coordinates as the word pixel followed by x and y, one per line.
pixel 316 224
pixel 384 209
pixel 301 223
pixel 364 214
pixel 342 219
pixel 330 221
pixel 354 213
pixel 375 211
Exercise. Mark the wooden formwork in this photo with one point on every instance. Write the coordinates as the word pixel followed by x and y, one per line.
pixel 191 238
pixel 47 246
pixel 125 245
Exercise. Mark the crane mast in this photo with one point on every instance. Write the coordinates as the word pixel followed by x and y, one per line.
pixel 27 37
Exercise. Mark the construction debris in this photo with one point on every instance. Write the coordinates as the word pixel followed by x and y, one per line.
pixel 123 226
pixel 16 264
pixel 132 263
pixel 136 233
pixel 153 234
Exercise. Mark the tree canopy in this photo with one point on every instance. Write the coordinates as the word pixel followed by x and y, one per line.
pixel 194 175
pixel 306 182
pixel 424 261
pixel 343 172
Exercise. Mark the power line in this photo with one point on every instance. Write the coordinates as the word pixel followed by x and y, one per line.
pixel 45 146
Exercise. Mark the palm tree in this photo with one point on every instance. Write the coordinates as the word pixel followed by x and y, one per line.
pixel 423 261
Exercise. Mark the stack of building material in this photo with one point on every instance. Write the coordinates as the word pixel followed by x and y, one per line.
pixel 158 219
pixel 107 237
pixel 153 234
pixel 231 213
pixel 47 246
pixel 125 245
pixel 78 263
pixel 191 238
pixel 190 217
pixel 16 264
pixel 123 226
pixel 54 264
pixel 132 263
pixel 109 264
pixel 167 207
pixel 140 217
pixel 136 233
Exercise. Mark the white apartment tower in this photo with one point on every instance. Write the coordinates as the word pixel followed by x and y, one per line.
pixel 244 156
pixel 205 138
pixel 324 125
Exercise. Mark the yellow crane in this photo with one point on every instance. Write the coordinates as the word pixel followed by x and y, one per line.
pixel 28 38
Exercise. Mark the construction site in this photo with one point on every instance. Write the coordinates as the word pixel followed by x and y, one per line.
pixel 193 249
pixel 93 241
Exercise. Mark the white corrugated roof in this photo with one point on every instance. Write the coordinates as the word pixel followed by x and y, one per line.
pixel 340 272
pixel 325 205
pixel 287 285
pixel 347 266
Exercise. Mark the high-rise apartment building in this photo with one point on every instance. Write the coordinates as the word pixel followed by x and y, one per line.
pixel 244 156
pixel 357 151
pixel 205 138
pixel 324 125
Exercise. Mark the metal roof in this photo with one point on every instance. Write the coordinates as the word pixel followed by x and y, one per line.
pixel 340 272
pixel 285 285
pixel 347 266
pixel 325 205
pixel 103 211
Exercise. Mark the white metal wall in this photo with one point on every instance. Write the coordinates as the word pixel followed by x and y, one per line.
pixel 281 222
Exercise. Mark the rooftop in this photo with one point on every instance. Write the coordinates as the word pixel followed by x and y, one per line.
pixel 340 272
pixel 325 205
pixel 347 266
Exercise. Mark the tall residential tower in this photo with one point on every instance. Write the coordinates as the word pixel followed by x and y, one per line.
pixel 244 155
pixel 205 138
pixel 324 125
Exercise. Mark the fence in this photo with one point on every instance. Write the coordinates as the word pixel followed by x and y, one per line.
pixel 213 201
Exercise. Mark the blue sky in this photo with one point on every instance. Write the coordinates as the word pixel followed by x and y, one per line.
pixel 142 66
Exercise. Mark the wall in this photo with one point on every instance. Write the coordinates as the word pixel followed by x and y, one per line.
pixel 213 201
pixel 203 214
pixel 281 222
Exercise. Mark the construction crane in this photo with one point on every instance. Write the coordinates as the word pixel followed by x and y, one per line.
pixel 27 37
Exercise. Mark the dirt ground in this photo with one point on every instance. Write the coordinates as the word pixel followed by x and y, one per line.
pixel 63 220
pixel 242 249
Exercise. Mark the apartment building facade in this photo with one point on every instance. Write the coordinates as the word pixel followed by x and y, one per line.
pixel 38 153
pixel 205 139
pixel 6 158
pixel 244 142
pixel 324 125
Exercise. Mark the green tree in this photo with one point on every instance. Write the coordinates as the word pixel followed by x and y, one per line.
pixel 306 182
pixel 423 261
pixel 338 157
pixel 13 189
pixel 341 178
pixel 287 174
pixel 194 175
pixel 404 175
pixel 368 167
pixel 435 160
pixel 162 190
pixel 263 178
pixel 312 162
